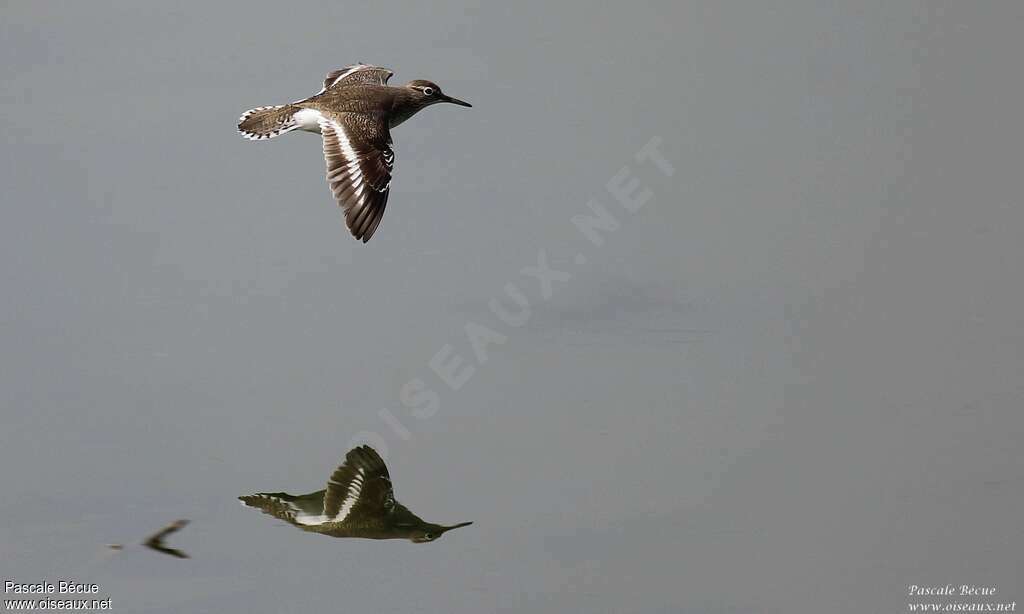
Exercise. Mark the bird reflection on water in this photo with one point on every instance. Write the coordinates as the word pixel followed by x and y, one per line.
pixel 359 501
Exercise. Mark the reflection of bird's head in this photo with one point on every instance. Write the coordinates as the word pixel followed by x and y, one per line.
pixel 430 532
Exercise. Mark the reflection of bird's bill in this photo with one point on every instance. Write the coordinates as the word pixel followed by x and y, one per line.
pixel 455 526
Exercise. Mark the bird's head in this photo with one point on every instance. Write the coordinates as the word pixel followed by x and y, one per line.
pixel 430 532
pixel 426 93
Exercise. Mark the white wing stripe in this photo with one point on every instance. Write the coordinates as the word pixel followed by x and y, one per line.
pixel 354 490
pixel 349 152
pixel 341 76
pixel 348 72
pixel 350 169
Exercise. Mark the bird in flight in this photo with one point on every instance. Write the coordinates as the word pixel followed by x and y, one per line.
pixel 354 113
pixel 359 501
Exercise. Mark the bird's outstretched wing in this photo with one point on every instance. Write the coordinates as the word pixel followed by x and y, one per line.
pixel 357 149
pixel 359 488
pixel 357 73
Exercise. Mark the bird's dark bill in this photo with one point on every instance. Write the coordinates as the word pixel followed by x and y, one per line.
pixel 461 103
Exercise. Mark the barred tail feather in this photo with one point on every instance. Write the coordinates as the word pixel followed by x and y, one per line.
pixel 268 122
pixel 278 505
pixel 301 509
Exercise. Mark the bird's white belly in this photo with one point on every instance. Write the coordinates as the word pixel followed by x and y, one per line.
pixel 308 120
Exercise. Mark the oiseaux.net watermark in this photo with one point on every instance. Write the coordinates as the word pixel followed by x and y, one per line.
pixel 61 595
pixel 536 283
pixel 958 598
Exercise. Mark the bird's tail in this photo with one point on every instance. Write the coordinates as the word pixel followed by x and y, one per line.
pixel 302 509
pixel 268 122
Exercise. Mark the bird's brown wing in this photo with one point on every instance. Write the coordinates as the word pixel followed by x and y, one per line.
pixel 357 73
pixel 360 487
pixel 357 149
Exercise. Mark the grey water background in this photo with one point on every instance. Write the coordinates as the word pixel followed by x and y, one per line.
pixel 792 382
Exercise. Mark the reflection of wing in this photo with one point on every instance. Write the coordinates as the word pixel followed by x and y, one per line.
pixel 357 149
pixel 357 73
pixel 359 488
pixel 156 540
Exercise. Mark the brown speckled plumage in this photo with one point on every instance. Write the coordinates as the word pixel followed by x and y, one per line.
pixel 354 113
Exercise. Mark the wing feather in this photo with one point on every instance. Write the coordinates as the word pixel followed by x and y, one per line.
pixel 361 486
pixel 357 150
pixel 357 73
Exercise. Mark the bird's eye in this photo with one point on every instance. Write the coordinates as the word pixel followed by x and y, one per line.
pixel 428 91
pixel 428 536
